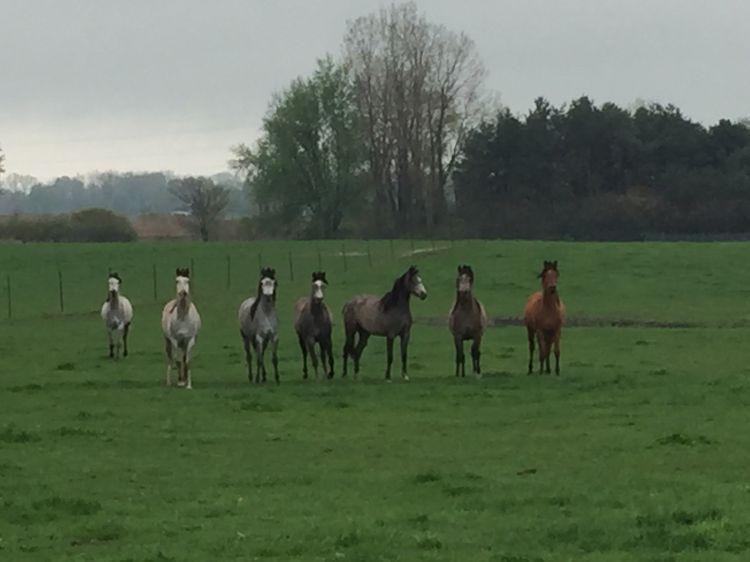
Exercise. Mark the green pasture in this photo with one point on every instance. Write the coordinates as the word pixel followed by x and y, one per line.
pixel 637 452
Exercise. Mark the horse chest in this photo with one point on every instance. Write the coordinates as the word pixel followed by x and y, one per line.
pixel 266 325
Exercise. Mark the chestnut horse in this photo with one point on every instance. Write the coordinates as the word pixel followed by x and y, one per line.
pixel 543 316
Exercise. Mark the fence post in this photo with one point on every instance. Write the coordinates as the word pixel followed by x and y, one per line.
pixel 343 254
pixel 291 266
pixel 412 245
pixel 369 256
pixel 260 261
pixel 153 276
pixel 393 254
pixel 192 275
pixel 60 289
pixel 320 260
pixel 229 271
pixel 10 300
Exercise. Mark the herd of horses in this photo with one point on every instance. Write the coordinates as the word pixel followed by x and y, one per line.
pixel 387 316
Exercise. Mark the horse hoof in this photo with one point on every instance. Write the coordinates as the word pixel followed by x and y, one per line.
pixel 406 378
pixel 388 380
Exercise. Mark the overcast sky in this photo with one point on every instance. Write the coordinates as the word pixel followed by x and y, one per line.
pixel 172 84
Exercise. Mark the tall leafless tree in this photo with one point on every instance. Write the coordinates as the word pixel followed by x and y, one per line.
pixel 205 200
pixel 419 90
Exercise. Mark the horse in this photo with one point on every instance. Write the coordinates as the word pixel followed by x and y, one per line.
pixel 312 322
pixel 467 321
pixel 544 316
pixel 259 326
pixel 117 313
pixel 388 316
pixel 180 323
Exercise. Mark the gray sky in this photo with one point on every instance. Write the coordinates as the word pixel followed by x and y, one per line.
pixel 171 84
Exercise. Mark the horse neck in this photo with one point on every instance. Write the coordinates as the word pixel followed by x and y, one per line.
pixel 113 300
pixel 464 299
pixel 316 307
pixel 183 306
pixel 266 303
pixel 550 300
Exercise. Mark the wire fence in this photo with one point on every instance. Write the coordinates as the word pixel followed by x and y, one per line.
pixel 74 281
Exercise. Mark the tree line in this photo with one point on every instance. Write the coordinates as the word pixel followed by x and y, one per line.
pixel 397 137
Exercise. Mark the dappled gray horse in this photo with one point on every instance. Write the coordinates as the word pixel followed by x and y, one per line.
pixel 388 316
pixel 312 322
pixel 259 326
pixel 180 323
pixel 117 313
pixel 467 321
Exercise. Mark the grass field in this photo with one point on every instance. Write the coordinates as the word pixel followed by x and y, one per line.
pixel 637 452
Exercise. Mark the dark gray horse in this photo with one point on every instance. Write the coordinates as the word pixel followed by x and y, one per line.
pixel 467 321
pixel 312 322
pixel 388 316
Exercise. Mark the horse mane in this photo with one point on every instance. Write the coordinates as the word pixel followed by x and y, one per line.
pixel 114 275
pixel 392 297
pixel 183 272
pixel 319 276
pixel 269 273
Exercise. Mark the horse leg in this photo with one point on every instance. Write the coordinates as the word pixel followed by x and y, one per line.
pixel 530 334
pixel 348 349
pixel 389 360
pixel 111 344
pixel 248 356
pixel 361 344
pixel 303 347
pixel 475 355
pixel 313 356
pixel 327 346
pixel 187 363
pixel 557 354
pixel 404 348
pixel 125 332
pixel 260 367
pixel 540 343
pixel 459 343
pixel 275 358
pixel 548 351
pixel 168 347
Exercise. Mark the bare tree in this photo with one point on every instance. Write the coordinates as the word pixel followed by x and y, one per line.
pixel 418 87
pixel 205 200
pixel 2 159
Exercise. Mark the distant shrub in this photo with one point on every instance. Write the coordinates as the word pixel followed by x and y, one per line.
pixel 88 225
pixel 100 225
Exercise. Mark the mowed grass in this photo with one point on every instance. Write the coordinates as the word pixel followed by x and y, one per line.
pixel 637 452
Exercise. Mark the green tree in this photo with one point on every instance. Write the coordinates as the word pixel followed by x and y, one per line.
pixel 304 171
pixel 2 160
pixel 205 200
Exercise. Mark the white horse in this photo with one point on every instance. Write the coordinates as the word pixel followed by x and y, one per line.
pixel 117 313
pixel 180 323
pixel 259 326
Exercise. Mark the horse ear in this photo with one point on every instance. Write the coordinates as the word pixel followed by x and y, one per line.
pixel 554 265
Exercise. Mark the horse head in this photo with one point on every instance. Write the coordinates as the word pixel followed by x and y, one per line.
pixel 319 283
pixel 414 283
pixel 465 279
pixel 113 282
pixel 182 279
pixel 549 277
pixel 267 284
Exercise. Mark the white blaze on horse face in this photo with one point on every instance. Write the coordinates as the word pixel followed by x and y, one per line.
pixel 268 286
pixel 464 283
pixel 183 286
pixel 114 285
pixel 318 287
pixel 419 288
